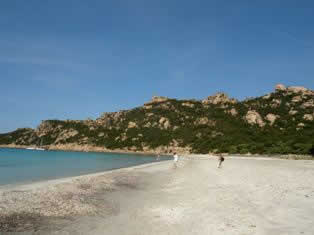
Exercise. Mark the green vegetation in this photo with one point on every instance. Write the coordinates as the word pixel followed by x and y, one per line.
pixel 203 128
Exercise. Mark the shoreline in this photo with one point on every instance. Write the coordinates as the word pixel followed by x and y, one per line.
pixel 52 182
pixel 92 149
pixel 87 148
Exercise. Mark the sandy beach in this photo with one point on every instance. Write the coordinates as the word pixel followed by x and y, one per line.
pixel 246 196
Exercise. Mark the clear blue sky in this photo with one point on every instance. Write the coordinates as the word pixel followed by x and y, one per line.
pixel 74 59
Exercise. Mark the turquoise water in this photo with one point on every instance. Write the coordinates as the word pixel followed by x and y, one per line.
pixel 24 166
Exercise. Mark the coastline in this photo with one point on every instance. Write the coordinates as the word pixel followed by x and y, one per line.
pixel 88 148
pixel 23 186
pixel 181 151
pixel 52 182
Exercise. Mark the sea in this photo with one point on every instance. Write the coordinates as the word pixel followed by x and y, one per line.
pixel 21 166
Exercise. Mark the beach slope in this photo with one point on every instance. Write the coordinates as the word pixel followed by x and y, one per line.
pixel 245 196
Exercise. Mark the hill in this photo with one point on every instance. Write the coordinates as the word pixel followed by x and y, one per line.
pixel 281 122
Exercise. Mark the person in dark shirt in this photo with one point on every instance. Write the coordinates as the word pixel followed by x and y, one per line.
pixel 220 160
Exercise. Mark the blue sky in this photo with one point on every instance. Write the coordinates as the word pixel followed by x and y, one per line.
pixel 74 59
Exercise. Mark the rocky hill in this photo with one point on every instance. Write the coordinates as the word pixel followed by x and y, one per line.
pixel 280 122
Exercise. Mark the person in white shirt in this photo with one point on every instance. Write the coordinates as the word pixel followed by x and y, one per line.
pixel 158 157
pixel 175 160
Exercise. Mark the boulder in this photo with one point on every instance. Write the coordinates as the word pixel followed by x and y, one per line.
pixel 219 98
pixel 275 103
pixel 199 135
pixel 166 105
pixel 232 111
pixel 308 117
pixel 301 124
pixel 266 97
pixel 280 87
pixel 308 104
pixel 204 121
pixel 296 99
pixel 123 137
pixel 132 125
pixel 147 106
pixel 253 117
pixel 167 124
pixel 293 112
pixel 101 134
pixel 188 104
pixel 156 99
pixel 271 118
pixel 297 89
pixel 147 124
pixel 216 133
pixel 164 123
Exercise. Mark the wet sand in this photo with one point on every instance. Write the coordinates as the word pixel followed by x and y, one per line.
pixel 246 196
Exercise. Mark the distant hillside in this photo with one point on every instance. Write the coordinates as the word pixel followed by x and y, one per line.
pixel 280 122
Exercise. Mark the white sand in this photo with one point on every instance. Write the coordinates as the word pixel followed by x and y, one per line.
pixel 246 196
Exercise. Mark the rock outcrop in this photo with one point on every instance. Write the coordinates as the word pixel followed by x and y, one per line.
pixel 187 104
pixel 204 121
pixel 297 89
pixel 293 90
pixel 156 99
pixel 109 120
pixel 219 98
pixel 45 128
pixel 280 87
pixel 275 103
pixel 271 118
pixel 65 135
pixel 297 99
pixel 132 125
pixel 308 117
pixel 293 112
pixel 164 123
pixel 308 104
pixel 232 111
pixel 253 117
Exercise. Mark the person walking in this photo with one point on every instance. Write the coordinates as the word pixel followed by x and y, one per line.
pixel 175 160
pixel 220 160
pixel 158 157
